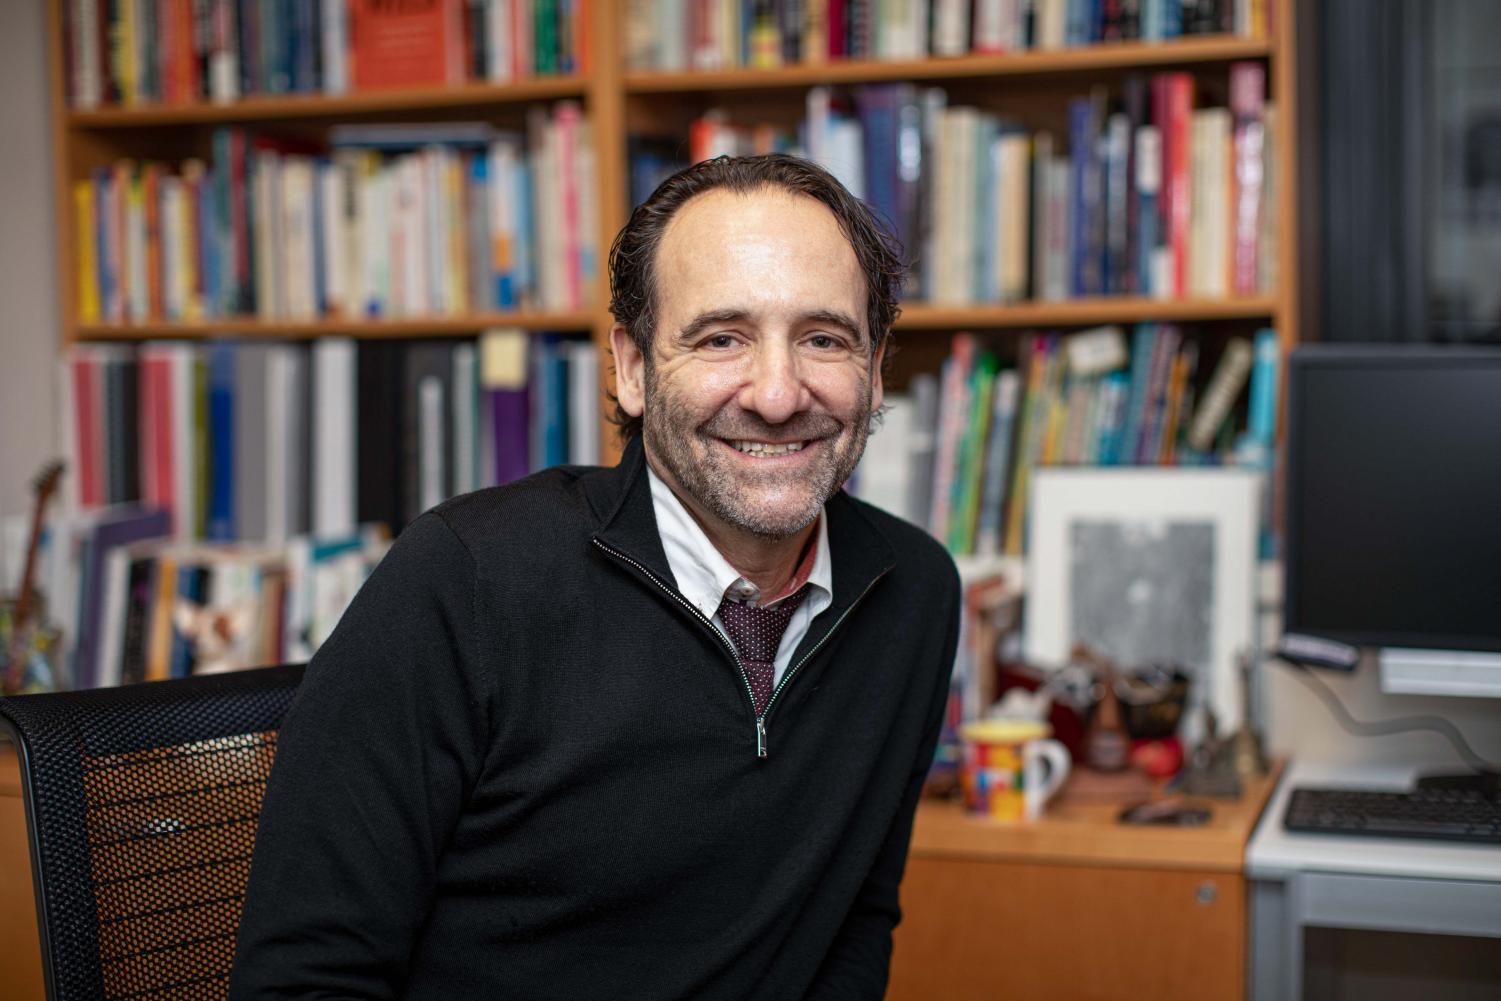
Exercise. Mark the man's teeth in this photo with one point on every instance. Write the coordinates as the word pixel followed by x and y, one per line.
pixel 762 448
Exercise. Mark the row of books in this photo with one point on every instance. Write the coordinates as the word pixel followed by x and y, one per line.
pixel 955 452
pixel 256 442
pixel 132 52
pixel 131 603
pixel 1145 195
pixel 389 221
pixel 719 34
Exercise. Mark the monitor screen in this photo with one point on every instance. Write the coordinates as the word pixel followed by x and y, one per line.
pixel 1394 496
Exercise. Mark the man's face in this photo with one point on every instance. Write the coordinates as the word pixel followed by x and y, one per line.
pixel 758 394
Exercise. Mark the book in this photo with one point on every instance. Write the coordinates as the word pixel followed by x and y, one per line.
pixel 110 535
pixel 406 45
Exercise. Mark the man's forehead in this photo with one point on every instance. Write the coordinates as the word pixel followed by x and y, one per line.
pixel 722 209
pixel 767 243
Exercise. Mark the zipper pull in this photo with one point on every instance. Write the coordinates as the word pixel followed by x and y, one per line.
pixel 760 738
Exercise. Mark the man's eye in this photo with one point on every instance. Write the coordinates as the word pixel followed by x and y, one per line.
pixel 823 342
pixel 720 341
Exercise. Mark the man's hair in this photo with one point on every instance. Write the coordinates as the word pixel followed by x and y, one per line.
pixel 633 257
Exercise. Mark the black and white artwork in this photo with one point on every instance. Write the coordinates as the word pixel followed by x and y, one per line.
pixel 1145 565
pixel 1142 589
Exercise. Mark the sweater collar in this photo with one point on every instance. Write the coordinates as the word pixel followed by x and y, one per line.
pixel 628 524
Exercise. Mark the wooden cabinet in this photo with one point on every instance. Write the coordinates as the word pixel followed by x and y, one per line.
pixel 1074 906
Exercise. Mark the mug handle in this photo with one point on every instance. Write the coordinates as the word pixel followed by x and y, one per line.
pixel 1058 760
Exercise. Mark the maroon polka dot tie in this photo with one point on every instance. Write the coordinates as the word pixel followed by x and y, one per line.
pixel 756 633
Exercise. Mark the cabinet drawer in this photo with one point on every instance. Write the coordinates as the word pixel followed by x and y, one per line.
pixel 983 930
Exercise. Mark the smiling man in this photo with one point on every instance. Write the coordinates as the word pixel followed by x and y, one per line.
pixel 655 731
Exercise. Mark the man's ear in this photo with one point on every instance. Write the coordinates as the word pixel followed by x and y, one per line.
pixel 630 371
pixel 877 390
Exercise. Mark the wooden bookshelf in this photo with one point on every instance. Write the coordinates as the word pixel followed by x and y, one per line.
pixel 620 101
pixel 1082 312
pixel 1103 58
pixel 300 107
pixel 435 326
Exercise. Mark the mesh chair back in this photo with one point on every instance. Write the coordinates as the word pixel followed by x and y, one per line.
pixel 142 804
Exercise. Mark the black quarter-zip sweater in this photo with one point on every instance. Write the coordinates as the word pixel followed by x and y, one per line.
pixel 525 767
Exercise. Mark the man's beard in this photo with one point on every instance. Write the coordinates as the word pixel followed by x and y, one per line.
pixel 696 458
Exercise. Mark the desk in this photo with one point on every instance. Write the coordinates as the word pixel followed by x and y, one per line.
pixel 1299 881
pixel 1075 905
pixel 20 950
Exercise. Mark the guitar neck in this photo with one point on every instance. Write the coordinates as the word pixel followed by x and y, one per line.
pixel 24 595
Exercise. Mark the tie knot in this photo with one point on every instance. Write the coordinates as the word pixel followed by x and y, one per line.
pixel 757 632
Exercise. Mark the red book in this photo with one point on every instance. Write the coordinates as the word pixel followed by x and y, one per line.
pixel 86 411
pixel 188 89
pixel 1175 176
pixel 158 373
pixel 406 43
pixel 836 29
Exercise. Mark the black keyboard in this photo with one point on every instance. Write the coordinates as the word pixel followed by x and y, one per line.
pixel 1453 815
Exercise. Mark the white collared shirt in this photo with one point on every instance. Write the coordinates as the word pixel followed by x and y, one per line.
pixel 704 576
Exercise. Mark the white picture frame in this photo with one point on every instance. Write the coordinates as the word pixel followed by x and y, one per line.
pixel 1147 564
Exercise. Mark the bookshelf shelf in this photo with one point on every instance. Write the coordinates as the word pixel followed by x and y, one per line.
pixel 1111 309
pixel 295 107
pixel 1091 59
pixel 405 327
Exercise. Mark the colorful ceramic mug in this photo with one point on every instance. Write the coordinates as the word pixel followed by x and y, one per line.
pixel 1010 767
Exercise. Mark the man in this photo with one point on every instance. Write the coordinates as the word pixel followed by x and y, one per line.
pixel 655 731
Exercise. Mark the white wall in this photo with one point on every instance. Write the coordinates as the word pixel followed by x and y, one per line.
pixel 1299 725
pixel 28 280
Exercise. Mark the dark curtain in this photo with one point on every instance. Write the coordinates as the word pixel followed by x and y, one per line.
pixel 1369 76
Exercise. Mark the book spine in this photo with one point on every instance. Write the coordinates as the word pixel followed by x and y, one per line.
pixel 1247 102
pixel 1177 155
pixel 1219 397
pixel 1148 181
pixel 87 264
pixel 1164 350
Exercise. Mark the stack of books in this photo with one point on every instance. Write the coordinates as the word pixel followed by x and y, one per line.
pixel 258 442
pixel 390 221
pixel 1147 194
pixel 954 453
pixel 186 51
pixel 719 34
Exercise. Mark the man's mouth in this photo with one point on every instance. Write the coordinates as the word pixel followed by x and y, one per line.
pixel 766 449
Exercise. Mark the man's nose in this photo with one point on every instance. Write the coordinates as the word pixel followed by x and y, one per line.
pixel 774 389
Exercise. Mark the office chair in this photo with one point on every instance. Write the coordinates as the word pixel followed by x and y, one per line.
pixel 141 810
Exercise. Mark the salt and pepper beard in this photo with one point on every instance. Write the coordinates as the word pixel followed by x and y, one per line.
pixel 670 432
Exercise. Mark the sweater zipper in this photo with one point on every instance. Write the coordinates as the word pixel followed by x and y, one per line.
pixel 723 641
pixel 761 749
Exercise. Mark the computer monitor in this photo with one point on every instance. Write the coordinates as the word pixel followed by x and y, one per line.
pixel 1393 512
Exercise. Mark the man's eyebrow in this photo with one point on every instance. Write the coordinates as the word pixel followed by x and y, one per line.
pixel 702 321
pixel 835 318
pixel 822 317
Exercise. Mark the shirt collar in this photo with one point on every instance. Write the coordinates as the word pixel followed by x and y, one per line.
pixel 702 573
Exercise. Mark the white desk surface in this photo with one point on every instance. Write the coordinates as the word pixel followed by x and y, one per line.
pixel 1276 851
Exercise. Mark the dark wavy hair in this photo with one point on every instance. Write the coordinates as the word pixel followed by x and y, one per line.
pixel 633 257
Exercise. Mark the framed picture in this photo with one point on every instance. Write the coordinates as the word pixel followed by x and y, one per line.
pixel 1146 565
